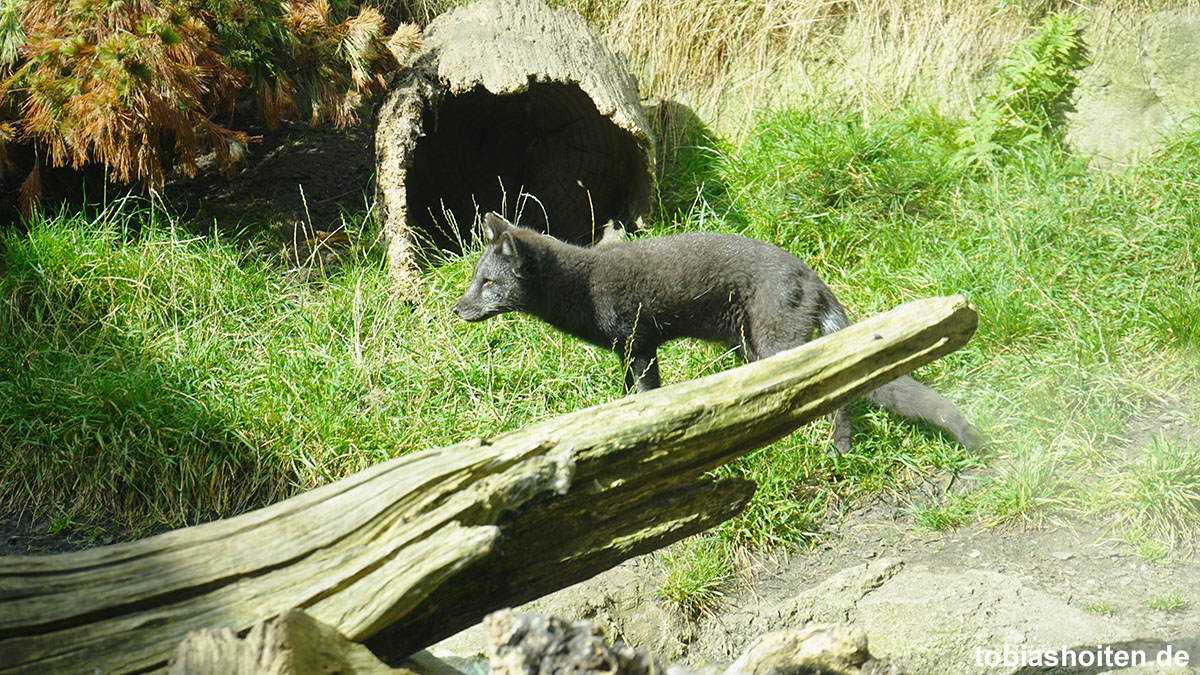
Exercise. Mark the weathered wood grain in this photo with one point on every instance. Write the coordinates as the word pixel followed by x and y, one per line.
pixel 418 547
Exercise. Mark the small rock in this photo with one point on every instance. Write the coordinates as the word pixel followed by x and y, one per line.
pixel 1063 555
pixel 824 648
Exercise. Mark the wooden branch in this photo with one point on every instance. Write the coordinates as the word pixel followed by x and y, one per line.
pixel 416 548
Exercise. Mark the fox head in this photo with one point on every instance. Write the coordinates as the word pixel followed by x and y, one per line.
pixel 498 283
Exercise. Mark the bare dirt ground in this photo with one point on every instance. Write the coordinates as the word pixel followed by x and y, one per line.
pixel 292 174
pixel 977 599
pixel 929 602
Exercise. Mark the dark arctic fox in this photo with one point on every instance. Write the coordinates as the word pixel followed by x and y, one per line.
pixel 631 297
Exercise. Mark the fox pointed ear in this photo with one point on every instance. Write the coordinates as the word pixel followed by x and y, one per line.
pixel 494 226
pixel 509 247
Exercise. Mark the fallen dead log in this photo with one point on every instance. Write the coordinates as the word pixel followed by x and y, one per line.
pixel 417 548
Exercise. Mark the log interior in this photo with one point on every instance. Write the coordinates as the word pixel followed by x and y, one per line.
pixel 543 157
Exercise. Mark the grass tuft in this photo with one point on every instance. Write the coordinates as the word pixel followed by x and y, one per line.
pixel 1159 496
pixel 955 512
pixel 1167 602
pixel 694 573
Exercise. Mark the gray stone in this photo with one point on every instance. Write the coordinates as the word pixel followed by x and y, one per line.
pixel 1144 82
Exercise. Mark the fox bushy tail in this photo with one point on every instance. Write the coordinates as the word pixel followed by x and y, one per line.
pixel 904 396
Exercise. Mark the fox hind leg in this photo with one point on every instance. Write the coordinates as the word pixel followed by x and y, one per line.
pixel 840 423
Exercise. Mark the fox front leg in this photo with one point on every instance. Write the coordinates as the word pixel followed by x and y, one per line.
pixel 641 372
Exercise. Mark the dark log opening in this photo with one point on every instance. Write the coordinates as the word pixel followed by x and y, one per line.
pixel 543 157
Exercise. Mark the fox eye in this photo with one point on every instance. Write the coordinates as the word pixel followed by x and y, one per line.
pixel 487 282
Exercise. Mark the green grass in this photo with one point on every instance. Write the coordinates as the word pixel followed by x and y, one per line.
pixel 1159 494
pixel 1167 601
pixel 694 573
pixel 935 517
pixel 160 378
pixel 157 377
pixel 1085 285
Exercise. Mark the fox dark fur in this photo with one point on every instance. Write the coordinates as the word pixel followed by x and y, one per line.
pixel 631 297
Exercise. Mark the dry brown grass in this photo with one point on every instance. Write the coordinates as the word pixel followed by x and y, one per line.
pixel 725 58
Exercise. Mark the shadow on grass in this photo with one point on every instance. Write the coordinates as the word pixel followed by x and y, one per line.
pixel 690 156
pixel 101 425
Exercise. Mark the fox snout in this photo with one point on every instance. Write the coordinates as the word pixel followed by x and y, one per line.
pixel 469 310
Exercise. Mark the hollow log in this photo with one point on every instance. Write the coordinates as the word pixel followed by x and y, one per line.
pixel 419 547
pixel 511 107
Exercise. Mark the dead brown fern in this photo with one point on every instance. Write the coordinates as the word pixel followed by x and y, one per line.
pixel 135 85
pixel 105 82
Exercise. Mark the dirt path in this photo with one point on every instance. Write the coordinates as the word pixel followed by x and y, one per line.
pixel 943 602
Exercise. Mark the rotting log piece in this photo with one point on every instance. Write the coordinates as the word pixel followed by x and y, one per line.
pixel 419 547
pixel 522 644
pixel 517 644
pixel 291 644
pixel 512 107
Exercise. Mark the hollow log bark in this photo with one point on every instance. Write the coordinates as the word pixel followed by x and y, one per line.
pixel 414 549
